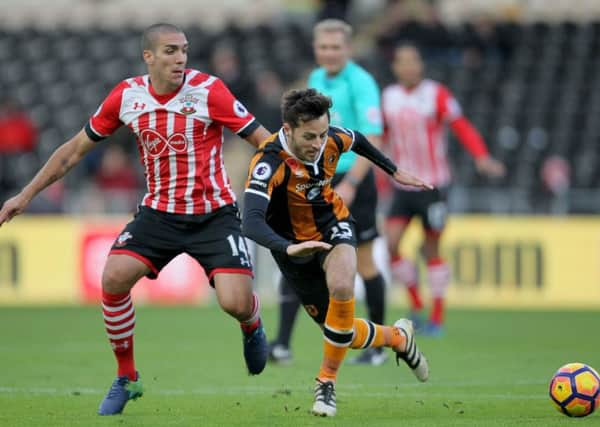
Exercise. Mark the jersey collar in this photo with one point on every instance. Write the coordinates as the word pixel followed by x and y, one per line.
pixel 163 99
pixel 286 147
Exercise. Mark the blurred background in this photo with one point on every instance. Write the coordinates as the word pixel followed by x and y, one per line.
pixel 527 73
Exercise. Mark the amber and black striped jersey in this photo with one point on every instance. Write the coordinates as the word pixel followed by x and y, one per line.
pixel 288 200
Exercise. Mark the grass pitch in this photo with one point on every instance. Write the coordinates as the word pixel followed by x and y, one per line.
pixel 492 368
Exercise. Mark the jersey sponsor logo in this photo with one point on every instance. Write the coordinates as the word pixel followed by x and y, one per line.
pixel 123 238
pixel 306 186
pixel 154 143
pixel 262 171
pixel 188 102
pixel 313 193
pixel 259 183
pixel 239 109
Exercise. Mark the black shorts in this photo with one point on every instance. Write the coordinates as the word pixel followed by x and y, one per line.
pixel 429 205
pixel 363 207
pixel 306 276
pixel 214 240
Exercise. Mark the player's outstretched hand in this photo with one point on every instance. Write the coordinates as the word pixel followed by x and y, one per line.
pixel 13 207
pixel 307 248
pixel 405 178
pixel 491 167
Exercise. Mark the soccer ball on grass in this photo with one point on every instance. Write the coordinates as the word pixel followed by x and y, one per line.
pixel 575 390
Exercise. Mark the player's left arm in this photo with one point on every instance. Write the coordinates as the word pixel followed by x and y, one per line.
pixel 257 136
pixel 364 148
pixel 449 110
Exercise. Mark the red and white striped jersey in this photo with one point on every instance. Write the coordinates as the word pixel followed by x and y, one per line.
pixel 415 122
pixel 180 138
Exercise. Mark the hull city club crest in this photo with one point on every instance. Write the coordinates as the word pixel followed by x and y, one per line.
pixel 189 103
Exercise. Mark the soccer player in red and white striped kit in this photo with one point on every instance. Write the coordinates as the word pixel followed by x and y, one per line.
pixel 177 115
pixel 416 111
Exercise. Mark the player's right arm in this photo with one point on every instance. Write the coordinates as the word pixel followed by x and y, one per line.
pixel 450 111
pixel 60 162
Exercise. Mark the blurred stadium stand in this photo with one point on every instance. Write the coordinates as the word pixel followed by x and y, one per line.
pixel 531 87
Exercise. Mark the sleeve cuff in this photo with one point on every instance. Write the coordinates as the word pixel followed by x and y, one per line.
pixel 250 127
pixel 91 134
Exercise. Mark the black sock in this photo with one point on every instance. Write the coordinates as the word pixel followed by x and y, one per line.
pixel 288 309
pixel 375 296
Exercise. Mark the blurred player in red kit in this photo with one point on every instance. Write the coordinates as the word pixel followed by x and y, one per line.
pixel 178 115
pixel 416 111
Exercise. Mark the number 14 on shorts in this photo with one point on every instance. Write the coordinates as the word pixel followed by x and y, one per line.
pixel 239 249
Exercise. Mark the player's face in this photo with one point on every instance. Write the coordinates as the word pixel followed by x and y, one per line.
pixel 408 66
pixel 306 140
pixel 332 50
pixel 166 62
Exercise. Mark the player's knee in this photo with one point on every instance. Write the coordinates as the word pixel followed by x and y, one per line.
pixel 116 281
pixel 236 307
pixel 341 283
pixel 341 290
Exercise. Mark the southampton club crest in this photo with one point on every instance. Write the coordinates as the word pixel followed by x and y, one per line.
pixel 189 103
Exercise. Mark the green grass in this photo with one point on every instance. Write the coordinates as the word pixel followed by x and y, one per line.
pixel 491 369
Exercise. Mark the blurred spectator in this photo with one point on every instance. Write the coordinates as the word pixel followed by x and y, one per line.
pixel 49 201
pixel 556 177
pixel 117 180
pixel 483 41
pixel 333 9
pixel 224 62
pixel 268 89
pixel 417 21
pixel 18 134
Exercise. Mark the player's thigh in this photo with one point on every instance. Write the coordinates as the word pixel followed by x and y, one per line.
pixel 234 292
pixel 394 232
pixel 306 278
pixel 340 270
pixel 121 272
pixel 398 217
pixel 151 239
pixel 433 210
pixel 219 246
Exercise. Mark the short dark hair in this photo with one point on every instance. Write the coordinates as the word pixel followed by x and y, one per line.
pixel 150 34
pixel 303 105
pixel 410 44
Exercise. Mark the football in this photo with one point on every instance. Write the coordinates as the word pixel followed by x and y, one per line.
pixel 575 390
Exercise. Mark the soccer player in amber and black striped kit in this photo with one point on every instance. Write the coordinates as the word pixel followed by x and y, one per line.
pixel 177 115
pixel 291 208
